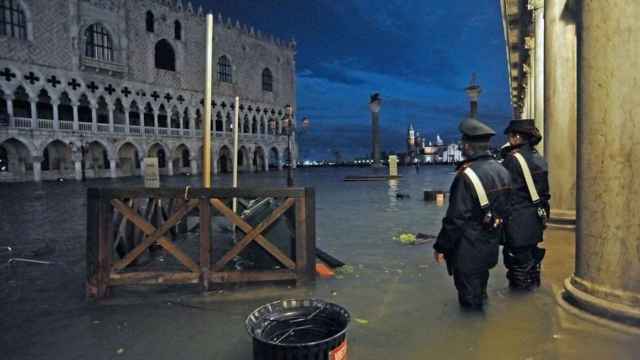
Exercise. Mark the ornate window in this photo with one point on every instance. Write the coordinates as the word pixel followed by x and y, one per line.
pixel 13 21
pixel 224 69
pixel 165 56
pixel 150 21
pixel 177 30
pixel 267 80
pixel 98 44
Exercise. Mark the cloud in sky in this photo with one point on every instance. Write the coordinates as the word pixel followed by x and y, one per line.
pixel 418 54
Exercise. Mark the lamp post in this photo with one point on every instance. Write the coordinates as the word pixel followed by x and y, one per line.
pixel 290 128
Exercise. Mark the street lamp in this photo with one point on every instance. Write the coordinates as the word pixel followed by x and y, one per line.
pixel 290 128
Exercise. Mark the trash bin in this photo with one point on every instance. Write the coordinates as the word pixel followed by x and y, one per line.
pixel 299 330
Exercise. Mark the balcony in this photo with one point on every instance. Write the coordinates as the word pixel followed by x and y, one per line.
pixel 124 130
pixel 102 65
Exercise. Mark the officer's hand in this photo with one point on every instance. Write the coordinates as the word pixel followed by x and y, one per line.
pixel 438 256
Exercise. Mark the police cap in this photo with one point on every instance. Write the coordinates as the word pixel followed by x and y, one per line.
pixel 474 130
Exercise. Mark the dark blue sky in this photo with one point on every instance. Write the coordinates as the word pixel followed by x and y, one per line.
pixel 419 54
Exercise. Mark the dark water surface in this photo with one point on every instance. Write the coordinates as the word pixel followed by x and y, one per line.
pixel 402 304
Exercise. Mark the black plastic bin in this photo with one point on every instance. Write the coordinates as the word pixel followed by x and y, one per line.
pixel 307 329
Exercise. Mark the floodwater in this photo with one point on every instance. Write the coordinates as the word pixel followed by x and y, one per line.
pixel 403 305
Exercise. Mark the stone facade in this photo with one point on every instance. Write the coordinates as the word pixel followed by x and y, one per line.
pixel 93 86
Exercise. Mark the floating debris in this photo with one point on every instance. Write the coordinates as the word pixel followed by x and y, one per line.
pixel 361 321
pixel 406 239
pixel 346 269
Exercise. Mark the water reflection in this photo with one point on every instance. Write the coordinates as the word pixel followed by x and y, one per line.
pixel 393 194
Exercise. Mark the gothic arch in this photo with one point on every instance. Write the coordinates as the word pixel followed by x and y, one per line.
pixel 224 160
pixel 259 158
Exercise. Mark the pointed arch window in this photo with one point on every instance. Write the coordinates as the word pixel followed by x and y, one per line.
pixel 225 73
pixel 13 22
pixel 177 30
pixel 165 56
pixel 150 20
pixel 98 43
pixel 267 80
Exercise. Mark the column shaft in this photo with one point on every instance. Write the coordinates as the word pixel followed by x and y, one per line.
pixel 560 97
pixel 34 116
pixel 607 274
pixel 9 100
pixel 56 115
pixel 113 169
pixel 75 116
pixel 538 91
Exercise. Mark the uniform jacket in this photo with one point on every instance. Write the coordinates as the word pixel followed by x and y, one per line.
pixel 524 227
pixel 468 246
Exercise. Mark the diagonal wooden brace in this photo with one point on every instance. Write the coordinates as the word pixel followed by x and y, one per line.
pixel 155 235
pixel 253 234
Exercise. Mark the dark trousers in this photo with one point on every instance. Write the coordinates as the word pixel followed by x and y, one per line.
pixel 523 266
pixel 472 288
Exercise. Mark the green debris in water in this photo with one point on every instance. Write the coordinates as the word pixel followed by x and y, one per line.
pixel 361 321
pixel 346 269
pixel 406 239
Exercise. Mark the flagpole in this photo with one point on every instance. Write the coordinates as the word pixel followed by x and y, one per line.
pixel 206 131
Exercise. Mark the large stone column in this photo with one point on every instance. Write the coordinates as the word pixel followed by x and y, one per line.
pixel 194 167
pixel 374 106
pixel 607 274
pixel 113 168
pixel 170 167
pixel 539 64
pixel 78 169
pixel 37 168
pixel 560 97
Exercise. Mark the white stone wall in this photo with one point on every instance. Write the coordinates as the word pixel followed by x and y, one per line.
pixel 52 59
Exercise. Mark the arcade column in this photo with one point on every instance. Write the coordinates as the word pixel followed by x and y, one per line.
pixel 607 274
pixel 560 109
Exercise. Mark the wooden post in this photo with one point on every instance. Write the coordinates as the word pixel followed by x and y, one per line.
pixel 105 245
pixel 205 243
pixel 206 131
pixel 304 243
pixel 92 243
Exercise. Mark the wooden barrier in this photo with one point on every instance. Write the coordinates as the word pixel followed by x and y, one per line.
pixel 105 205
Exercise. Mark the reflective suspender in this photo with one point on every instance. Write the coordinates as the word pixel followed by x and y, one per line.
pixel 533 192
pixel 477 185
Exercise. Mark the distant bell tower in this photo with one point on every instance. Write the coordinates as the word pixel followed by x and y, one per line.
pixel 411 138
pixel 473 91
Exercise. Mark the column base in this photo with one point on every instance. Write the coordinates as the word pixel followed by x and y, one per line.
pixel 594 299
pixel 562 219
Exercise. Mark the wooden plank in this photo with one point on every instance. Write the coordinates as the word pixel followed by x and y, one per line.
pixel 301 239
pixel 155 235
pixel 153 277
pixel 105 246
pixel 253 234
pixel 251 276
pixel 92 245
pixel 197 193
pixel 205 243
pixel 310 202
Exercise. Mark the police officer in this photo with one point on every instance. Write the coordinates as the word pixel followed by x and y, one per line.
pixel 529 205
pixel 471 230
